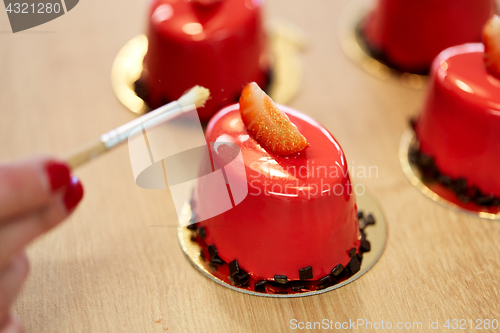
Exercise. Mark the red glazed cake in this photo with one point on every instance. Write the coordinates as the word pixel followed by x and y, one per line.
pixel 408 35
pixel 216 44
pixel 459 128
pixel 299 220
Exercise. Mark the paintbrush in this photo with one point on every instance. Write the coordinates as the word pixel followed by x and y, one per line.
pixel 196 96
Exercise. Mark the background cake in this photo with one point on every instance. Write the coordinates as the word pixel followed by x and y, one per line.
pixel 408 35
pixel 459 127
pixel 220 45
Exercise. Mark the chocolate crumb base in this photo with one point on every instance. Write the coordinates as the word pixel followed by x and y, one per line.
pixel 280 284
pixel 431 173
pixel 378 54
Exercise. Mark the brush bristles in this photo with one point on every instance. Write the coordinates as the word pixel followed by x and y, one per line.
pixel 197 95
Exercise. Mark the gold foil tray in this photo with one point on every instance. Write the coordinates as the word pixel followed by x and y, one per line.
pixel 356 49
pixel 286 44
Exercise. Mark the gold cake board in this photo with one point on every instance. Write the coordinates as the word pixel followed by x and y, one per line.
pixel 286 44
pixel 356 49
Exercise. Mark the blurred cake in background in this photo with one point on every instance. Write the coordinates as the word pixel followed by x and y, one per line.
pixel 459 127
pixel 407 35
pixel 218 44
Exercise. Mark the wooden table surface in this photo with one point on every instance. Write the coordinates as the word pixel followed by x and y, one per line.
pixel 108 270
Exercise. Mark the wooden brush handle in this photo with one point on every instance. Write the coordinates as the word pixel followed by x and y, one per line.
pixel 86 153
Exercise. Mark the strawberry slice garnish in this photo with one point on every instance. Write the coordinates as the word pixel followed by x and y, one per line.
pixel 267 124
pixel 491 40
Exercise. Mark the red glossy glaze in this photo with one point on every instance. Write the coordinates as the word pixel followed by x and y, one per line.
pixel 220 46
pixel 460 122
pixel 300 210
pixel 412 33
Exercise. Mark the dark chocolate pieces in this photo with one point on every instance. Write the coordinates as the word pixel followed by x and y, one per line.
pixel 241 275
pixel 260 286
pixel 281 279
pixel 140 89
pixel 324 282
pixel 364 221
pixel 306 273
pixel 459 186
pixel 234 267
pixel 370 220
pixel 413 123
pixel 337 270
pixel 354 265
pixel 217 261
pixel 424 162
pixel 212 251
pixel 485 200
pixel 240 278
pixel 297 285
pixel 445 180
pixel 365 245
pixel 237 276
pixel 214 258
pixel 202 232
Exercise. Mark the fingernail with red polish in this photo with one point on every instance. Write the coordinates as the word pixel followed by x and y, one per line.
pixel 73 194
pixel 58 174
